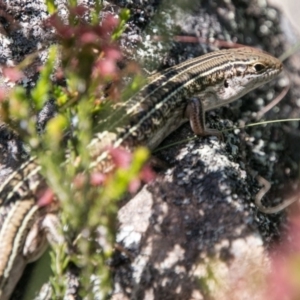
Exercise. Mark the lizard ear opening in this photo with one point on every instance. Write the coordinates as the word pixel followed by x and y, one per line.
pixel 259 67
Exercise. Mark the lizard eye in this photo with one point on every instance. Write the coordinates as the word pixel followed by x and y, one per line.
pixel 259 67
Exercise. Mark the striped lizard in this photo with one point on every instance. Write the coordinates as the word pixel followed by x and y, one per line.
pixel 170 98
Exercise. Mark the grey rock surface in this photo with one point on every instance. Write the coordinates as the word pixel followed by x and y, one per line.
pixel 198 216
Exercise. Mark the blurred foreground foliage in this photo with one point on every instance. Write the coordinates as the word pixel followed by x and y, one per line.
pixel 85 63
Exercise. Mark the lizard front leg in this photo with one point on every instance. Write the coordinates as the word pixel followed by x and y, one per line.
pixel 196 114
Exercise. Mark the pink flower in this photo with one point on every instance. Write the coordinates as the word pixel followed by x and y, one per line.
pixel 284 278
pixel 120 157
pixel 97 179
pixel 134 185
pixel 112 53
pixel 106 67
pixel 3 93
pixel 79 10
pixel 46 198
pixel 89 37
pixel 109 23
pixel 147 174
pixel 13 74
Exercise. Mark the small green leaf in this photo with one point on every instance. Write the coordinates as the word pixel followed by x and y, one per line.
pixel 40 93
pixel 124 16
pixel 73 3
pixel 140 156
pixel 51 6
pixel 55 130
